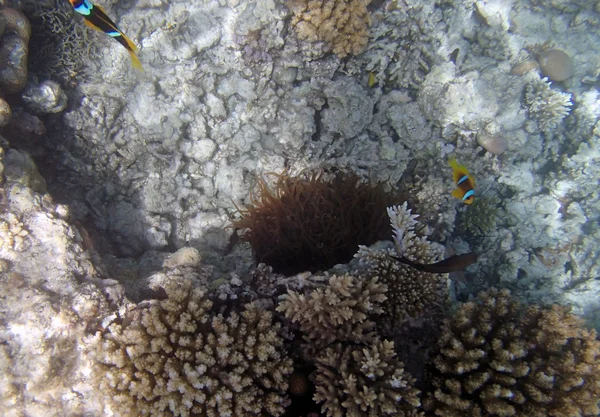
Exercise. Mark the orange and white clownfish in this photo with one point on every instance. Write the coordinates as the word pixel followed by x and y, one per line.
pixel 465 184
pixel 96 18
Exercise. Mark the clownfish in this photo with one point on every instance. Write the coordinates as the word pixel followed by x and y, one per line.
pixel 465 184
pixel 96 18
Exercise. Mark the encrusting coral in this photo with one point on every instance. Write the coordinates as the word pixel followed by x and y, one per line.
pixel 311 222
pixel 174 357
pixel 342 25
pixel 496 358
pixel 546 105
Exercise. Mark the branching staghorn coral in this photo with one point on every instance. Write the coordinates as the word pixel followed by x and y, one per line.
pixel 497 359
pixel 353 381
pixel 338 312
pixel 356 373
pixel 341 24
pixel 546 105
pixel 410 292
pixel 174 357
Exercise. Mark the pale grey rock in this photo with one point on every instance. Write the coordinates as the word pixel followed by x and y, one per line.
pixel 461 101
pixel 348 110
pixel 51 294
pixel 46 97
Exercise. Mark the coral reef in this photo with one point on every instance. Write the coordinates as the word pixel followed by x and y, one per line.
pixel 61 44
pixel 338 312
pixel 399 51
pixel 51 296
pixel 356 372
pixel 497 358
pixel 342 26
pixel 175 357
pixel 356 381
pixel 313 221
pixel 410 293
pixel 546 105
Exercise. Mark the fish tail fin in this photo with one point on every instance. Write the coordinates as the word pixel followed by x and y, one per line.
pixel 91 25
pixel 457 193
pixel 135 61
pixel 130 45
pixel 453 163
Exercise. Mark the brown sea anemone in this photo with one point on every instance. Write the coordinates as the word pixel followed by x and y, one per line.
pixel 314 221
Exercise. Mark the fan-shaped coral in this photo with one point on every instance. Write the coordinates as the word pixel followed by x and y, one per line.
pixel 312 223
pixel 494 359
pixel 174 357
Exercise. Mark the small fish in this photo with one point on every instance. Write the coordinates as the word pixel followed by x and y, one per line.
pixel 452 264
pixel 465 184
pixel 96 18
pixel 371 81
pixel 458 276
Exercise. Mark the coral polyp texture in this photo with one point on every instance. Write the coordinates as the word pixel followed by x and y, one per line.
pixel 343 26
pixel 339 311
pixel 356 374
pixel 174 357
pixel 498 358
pixel 312 222
pixel 354 381
pixel 545 104
pixel 410 293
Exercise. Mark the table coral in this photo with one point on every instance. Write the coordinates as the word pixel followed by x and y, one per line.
pixel 342 25
pixel 496 358
pixel 176 357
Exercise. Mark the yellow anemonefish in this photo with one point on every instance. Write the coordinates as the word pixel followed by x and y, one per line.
pixel 465 184
pixel 96 18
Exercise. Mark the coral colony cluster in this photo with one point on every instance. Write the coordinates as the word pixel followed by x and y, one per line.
pixel 261 222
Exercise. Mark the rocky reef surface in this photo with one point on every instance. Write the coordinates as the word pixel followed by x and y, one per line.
pixel 109 173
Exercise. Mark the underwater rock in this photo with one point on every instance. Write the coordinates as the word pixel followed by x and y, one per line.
pixel 46 97
pixel 350 109
pixel 13 54
pixel 5 113
pixel 463 101
pixel 15 22
pixel 555 64
pixel 492 139
pixel 15 31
